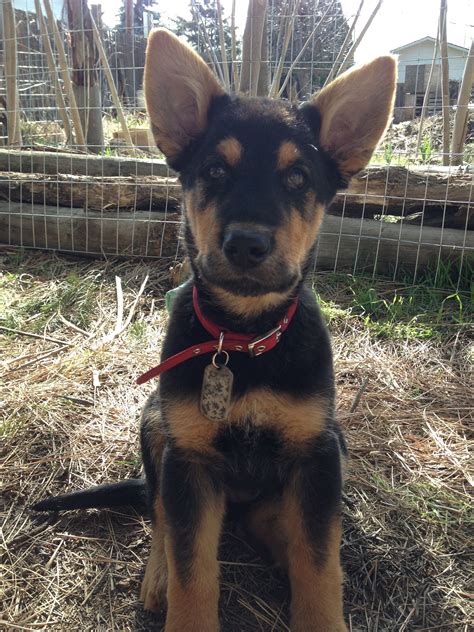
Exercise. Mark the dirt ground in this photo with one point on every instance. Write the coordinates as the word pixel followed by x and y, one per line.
pixel 69 414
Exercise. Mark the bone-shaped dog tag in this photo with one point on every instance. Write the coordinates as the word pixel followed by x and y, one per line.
pixel 216 392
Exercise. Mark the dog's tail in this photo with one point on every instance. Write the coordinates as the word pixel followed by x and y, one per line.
pixel 131 493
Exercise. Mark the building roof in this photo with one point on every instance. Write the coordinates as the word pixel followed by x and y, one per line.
pixel 426 39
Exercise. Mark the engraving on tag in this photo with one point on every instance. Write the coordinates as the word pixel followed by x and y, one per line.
pixel 216 392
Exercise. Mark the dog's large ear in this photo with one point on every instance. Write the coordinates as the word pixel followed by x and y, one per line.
pixel 355 110
pixel 179 88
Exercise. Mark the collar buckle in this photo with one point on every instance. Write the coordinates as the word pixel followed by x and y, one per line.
pixel 257 346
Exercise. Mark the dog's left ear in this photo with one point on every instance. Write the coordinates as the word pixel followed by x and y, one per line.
pixel 355 110
pixel 179 88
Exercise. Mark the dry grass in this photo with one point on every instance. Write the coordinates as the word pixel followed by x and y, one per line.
pixel 69 414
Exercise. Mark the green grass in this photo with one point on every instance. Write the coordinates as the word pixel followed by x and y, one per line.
pixel 24 303
pixel 398 310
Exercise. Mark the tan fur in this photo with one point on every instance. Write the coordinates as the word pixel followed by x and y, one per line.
pixel 154 585
pixel 296 419
pixel 194 605
pixel 231 150
pixel 178 90
pixel 188 427
pixel 296 237
pixel 288 153
pixel 203 222
pixel 316 586
pixel 248 305
pixel 355 111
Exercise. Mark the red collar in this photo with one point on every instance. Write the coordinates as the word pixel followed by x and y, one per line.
pixel 224 340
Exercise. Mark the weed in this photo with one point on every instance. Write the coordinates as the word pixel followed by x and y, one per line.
pixel 388 153
pixel 426 149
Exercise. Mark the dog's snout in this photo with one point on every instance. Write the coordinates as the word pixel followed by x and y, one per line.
pixel 246 248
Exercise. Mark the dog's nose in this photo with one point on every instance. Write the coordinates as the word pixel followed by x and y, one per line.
pixel 246 248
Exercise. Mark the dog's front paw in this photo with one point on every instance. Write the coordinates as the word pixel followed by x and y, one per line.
pixel 153 590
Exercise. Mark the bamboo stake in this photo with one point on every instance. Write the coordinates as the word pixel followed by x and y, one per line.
pixel 110 80
pixel 303 48
pixel 460 118
pixel 443 10
pixel 426 98
pixel 235 71
pixel 10 52
pixel 275 87
pixel 225 67
pixel 212 56
pixel 53 72
pixel 344 44
pixel 355 45
pixel 76 120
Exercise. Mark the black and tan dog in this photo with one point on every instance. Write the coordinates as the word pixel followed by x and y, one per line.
pixel 260 432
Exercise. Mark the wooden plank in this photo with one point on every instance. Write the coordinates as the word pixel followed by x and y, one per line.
pixel 84 192
pixel 373 246
pixel 342 240
pixel 73 230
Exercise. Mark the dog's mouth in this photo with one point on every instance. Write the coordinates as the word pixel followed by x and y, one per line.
pixel 274 276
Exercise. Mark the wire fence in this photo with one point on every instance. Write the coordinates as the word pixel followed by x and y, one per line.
pixel 110 192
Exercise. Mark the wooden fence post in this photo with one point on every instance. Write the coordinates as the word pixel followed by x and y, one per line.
pixel 10 53
pixel 63 66
pixel 460 118
pixel 443 44
pixel 84 73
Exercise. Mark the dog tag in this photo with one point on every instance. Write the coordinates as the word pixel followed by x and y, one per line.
pixel 216 392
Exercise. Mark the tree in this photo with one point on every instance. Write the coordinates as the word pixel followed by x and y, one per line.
pixel 202 31
pixel 138 9
pixel 323 23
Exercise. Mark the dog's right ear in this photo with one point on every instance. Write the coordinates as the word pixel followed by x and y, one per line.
pixel 179 88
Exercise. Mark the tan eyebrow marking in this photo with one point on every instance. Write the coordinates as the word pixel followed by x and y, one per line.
pixel 231 150
pixel 288 153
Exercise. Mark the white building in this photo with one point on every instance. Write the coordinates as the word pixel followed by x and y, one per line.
pixel 414 65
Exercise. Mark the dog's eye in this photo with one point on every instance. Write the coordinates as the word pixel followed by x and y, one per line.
pixel 295 179
pixel 216 171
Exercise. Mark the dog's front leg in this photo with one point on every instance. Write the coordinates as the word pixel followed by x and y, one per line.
pixel 311 513
pixel 194 507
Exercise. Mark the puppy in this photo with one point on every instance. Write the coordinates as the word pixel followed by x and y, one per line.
pixel 244 409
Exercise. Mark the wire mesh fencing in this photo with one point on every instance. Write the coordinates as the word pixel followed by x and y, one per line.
pixel 79 171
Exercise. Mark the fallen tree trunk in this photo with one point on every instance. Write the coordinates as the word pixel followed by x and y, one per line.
pixel 344 243
pixel 84 192
pixel 442 196
pixel 79 164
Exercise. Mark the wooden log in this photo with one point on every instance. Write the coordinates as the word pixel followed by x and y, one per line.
pixel 106 194
pixel 79 164
pixel 73 230
pixel 344 243
pixel 378 185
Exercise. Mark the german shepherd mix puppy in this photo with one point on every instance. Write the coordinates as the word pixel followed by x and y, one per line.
pixel 260 432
